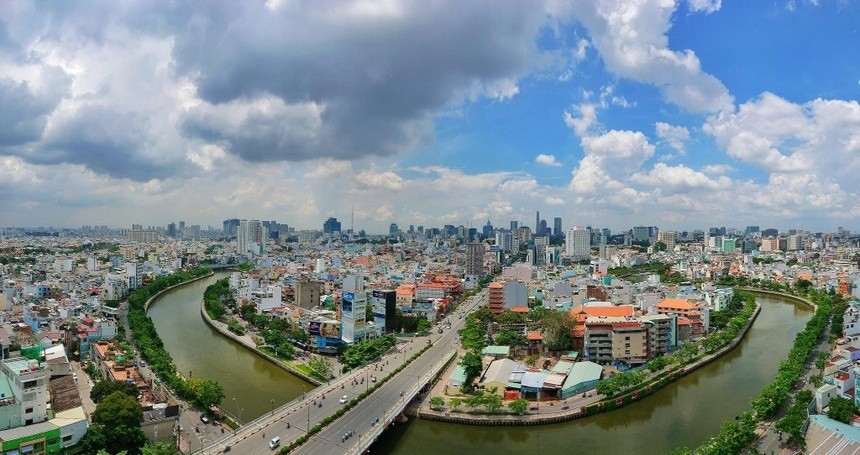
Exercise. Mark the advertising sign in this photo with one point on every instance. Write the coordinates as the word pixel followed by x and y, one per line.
pixel 330 329
pixel 314 327
pixel 346 300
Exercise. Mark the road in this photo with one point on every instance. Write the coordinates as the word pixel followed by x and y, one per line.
pixel 297 420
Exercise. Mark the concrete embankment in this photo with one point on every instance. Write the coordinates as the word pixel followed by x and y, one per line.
pixel 221 328
pixel 603 404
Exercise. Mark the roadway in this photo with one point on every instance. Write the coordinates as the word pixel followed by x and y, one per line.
pixel 293 420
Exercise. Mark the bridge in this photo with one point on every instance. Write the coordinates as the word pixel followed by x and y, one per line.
pixel 368 419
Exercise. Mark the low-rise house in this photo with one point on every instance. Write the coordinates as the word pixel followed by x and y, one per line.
pixel 496 376
pixel 583 376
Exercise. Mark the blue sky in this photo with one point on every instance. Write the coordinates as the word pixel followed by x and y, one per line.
pixel 682 114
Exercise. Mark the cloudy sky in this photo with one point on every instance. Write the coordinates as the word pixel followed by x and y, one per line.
pixel 680 114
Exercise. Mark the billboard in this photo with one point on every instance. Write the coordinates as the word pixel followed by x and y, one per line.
pixel 330 329
pixel 314 328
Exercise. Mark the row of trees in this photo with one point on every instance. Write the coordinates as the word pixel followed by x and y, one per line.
pixel 214 298
pixel 202 393
pixel 736 435
pixel 366 351
pixel 792 423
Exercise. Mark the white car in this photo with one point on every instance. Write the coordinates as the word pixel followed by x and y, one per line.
pixel 343 399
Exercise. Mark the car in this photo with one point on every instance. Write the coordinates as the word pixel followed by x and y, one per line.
pixel 275 442
pixel 216 423
pixel 203 418
pixel 343 399
pixel 373 379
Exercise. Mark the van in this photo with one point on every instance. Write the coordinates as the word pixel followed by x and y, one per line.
pixel 275 442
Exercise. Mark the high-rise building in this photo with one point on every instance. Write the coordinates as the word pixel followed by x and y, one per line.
pixel 475 259
pixel 668 238
pixel 353 304
pixel 728 245
pixel 384 307
pixel 770 232
pixel 543 228
pixel 751 229
pixel 488 230
pixel 331 226
pixel 231 226
pixel 181 227
pixel 171 230
pixel 578 243
pixel 251 237
pixel 537 223
pixel 514 225
pixel 556 227
pixel 640 233
pixel 393 229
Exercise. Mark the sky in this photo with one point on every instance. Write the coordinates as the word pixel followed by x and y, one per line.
pixel 678 114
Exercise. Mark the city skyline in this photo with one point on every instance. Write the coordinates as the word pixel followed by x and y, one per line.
pixel 674 114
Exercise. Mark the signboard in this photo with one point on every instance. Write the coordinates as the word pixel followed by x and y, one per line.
pixel 314 327
pixel 330 329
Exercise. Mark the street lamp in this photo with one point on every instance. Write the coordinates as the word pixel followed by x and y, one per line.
pixel 273 406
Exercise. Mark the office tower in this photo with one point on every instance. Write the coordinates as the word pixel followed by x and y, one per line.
pixel 383 304
pixel 171 230
pixel 543 228
pixel 475 259
pixel 556 227
pixel 578 243
pixel 751 230
pixel 488 230
pixel 181 227
pixel 331 226
pixel 392 229
pixel 514 225
pixel 353 303
pixel 537 223
pixel 640 233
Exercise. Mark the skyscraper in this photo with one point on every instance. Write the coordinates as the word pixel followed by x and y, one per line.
pixel 230 227
pixel 515 225
pixel 393 229
pixel 331 226
pixel 556 227
pixel 537 223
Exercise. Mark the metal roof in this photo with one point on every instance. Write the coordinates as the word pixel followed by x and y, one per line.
pixel 582 372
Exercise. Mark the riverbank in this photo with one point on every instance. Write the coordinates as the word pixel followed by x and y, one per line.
pixel 170 288
pixel 578 407
pixel 246 342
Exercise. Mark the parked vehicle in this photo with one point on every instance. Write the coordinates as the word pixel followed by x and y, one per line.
pixel 203 418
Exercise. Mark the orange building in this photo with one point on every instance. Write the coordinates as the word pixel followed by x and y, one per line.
pixel 688 313
pixel 580 313
pixel 496 303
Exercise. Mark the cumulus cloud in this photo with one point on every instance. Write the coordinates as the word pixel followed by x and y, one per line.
pixel 632 39
pixel 674 136
pixel 380 180
pixel 547 160
pixel 553 201
pixel 718 169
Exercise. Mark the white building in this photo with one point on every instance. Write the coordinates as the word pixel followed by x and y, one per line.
pixel 578 243
pixel 251 237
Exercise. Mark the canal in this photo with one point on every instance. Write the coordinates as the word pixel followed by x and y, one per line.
pixel 252 385
pixel 684 413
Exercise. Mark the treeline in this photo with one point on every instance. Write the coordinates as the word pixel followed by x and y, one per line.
pixel 735 314
pixel 736 435
pixel 366 351
pixel 213 298
pixel 203 393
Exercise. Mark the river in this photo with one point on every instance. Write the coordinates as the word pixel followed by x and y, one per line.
pixel 252 385
pixel 682 414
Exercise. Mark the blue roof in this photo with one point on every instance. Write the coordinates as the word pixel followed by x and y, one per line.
pixel 837 426
pixel 534 379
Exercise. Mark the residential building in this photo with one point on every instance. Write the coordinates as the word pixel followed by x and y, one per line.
pixel 251 237
pixel 578 243
pixel 475 259
pixel 668 238
pixel 308 294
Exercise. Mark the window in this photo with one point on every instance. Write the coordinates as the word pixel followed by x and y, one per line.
pixel 28 410
pixel 29 384
pixel 67 438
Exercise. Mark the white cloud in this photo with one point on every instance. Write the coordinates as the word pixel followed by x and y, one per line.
pixel 553 201
pixel 380 180
pixel 631 38
pixel 674 136
pixel 718 169
pixel 547 160
pixel 707 6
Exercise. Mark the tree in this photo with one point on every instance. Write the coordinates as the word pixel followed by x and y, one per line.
pixel 841 409
pixel 455 402
pixel 491 402
pixel 820 360
pixel 160 448
pixel 320 367
pixel 119 417
pixel 557 326
pixel 518 406
pixel 437 402
pixel 510 338
pixel 94 440
pixel 472 365
pixel 423 325
pixel 207 392
pixel 660 246
pixel 105 388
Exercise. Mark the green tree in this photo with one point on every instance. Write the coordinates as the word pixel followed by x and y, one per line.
pixel 320 367
pixel 660 246
pixel 841 409
pixel 510 338
pixel 160 448
pixel 518 406
pixel 207 392
pixel 119 417
pixel 94 440
pixel 472 366
pixel 491 402
pixel 105 388
pixel 437 402
pixel 557 327
pixel 454 402
pixel 423 325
